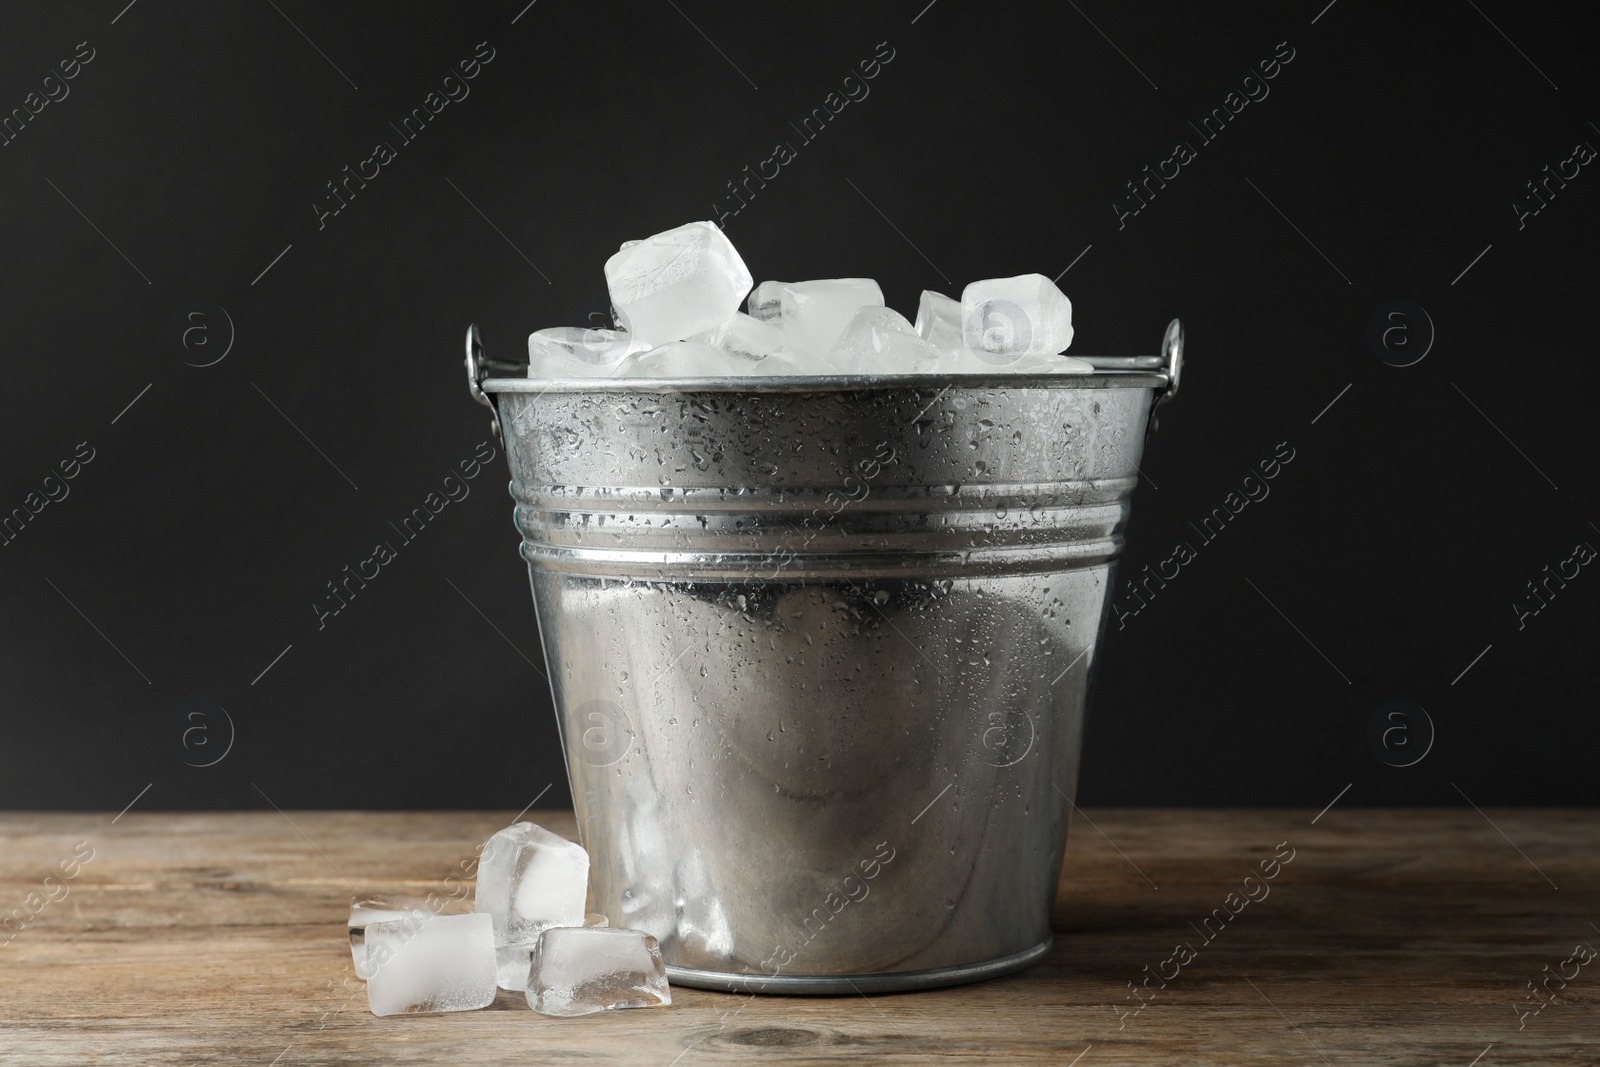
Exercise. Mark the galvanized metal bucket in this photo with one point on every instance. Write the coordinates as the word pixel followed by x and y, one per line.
pixel 820 650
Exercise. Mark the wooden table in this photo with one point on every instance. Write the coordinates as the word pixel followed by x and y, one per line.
pixel 1392 936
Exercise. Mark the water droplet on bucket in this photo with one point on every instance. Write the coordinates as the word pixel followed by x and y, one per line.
pixel 881 597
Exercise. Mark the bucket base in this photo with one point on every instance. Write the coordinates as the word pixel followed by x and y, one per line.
pixel 833 984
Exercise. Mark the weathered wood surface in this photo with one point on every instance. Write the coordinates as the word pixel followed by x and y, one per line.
pixel 1404 937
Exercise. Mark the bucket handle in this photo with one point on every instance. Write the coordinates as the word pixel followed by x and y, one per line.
pixel 1172 363
pixel 479 367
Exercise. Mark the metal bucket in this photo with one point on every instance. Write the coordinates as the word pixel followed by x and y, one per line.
pixel 820 650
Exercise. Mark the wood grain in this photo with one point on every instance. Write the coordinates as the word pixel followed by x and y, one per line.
pixel 1392 936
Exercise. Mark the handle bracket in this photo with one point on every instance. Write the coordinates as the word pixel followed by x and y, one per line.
pixel 1172 363
pixel 479 367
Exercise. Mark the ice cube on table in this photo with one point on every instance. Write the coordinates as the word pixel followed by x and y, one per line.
pixel 384 908
pixel 574 352
pixel 529 879
pixel 1004 319
pixel 881 341
pixel 582 970
pixel 381 907
pixel 681 359
pixel 939 320
pixel 677 283
pixel 432 963
pixel 512 962
pixel 813 315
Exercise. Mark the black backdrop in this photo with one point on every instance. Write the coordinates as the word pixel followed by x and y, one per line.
pixel 157 613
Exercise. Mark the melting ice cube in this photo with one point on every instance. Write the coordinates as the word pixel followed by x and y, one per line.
pixel 1042 365
pixel 583 970
pixel 1004 319
pixel 529 879
pixel 881 341
pixel 744 337
pixel 677 283
pixel 813 315
pixel 939 320
pixel 758 348
pixel 385 908
pixel 681 359
pixel 572 352
pixel 514 962
pixel 433 963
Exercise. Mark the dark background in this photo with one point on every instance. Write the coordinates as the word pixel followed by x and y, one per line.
pixel 189 551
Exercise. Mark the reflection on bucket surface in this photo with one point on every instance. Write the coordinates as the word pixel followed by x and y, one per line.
pixel 775 666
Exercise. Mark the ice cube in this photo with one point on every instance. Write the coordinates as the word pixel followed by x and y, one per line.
pixel 677 283
pixel 813 315
pixel 766 303
pixel 1004 319
pixel 1051 364
pixel 574 352
pixel 966 361
pixel 430 963
pixel 530 879
pixel 681 359
pixel 373 909
pixel 512 962
pixel 381 907
pixel 583 970
pixel 743 337
pixel 939 320
pixel 881 341
pixel 758 348
pixel 792 362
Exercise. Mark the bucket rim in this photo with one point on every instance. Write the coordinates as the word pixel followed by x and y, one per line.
pixel 833 383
